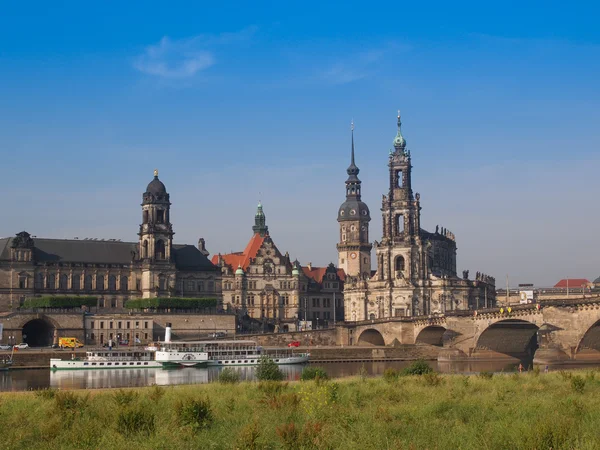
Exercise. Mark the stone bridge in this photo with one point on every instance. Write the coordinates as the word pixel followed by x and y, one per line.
pixel 554 331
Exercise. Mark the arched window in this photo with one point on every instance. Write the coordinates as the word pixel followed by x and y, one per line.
pixel 145 249
pixel 159 250
pixel 399 178
pixel 124 283
pixel 51 281
pixel 145 216
pixel 112 283
pixel 399 263
pixel 76 282
pixel 39 281
pixel 399 224
pixel 87 282
pixel 100 282
pixel 63 282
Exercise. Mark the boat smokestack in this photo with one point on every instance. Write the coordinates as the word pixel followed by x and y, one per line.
pixel 168 332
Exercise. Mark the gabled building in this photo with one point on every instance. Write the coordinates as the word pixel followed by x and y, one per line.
pixel 268 290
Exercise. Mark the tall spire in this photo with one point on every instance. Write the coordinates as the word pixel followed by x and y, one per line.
pixel 399 141
pixel 260 221
pixel 352 170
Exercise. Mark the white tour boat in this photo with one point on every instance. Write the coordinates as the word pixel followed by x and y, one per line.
pixel 189 354
pixel 108 359
pixel 222 353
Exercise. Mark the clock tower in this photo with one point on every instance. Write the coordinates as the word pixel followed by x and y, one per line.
pixel 354 249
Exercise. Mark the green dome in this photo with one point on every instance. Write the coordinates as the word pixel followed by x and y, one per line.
pixel 239 271
pixel 295 271
pixel 399 141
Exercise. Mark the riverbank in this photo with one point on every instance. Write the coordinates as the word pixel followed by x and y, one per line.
pixel 556 410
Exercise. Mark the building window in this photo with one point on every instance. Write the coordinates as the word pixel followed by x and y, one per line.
pixel 51 281
pixel 22 281
pixel 190 286
pixel 138 284
pixel 124 283
pixel 110 324
pixel 399 263
pixel 161 282
pixel 39 281
pixel 92 336
pixel 399 312
pixel 160 216
pixel 211 286
pixel 113 302
pixel 101 302
pixel 201 286
pixel 99 282
pixel 146 336
pixel 87 282
pixel 159 250
pixel 92 324
pixel 145 324
pixel 101 325
pixel 76 282
pixel 112 283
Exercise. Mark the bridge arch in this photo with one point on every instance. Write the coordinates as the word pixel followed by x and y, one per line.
pixel 371 337
pixel 432 335
pixel 589 345
pixel 38 332
pixel 511 337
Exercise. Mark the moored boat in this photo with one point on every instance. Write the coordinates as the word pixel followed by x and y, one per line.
pixel 223 353
pixel 107 359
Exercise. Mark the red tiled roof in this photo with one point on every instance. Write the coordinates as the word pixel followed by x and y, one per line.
pixel 242 258
pixel 571 282
pixel 317 273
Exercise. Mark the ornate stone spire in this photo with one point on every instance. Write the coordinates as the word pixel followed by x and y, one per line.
pixel 352 170
pixel 399 141
pixel 260 221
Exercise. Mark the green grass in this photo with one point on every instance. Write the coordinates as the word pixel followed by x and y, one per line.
pixel 523 411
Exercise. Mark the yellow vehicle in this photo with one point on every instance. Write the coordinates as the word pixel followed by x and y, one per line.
pixel 69 342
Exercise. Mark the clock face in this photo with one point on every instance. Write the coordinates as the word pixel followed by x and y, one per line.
pixel 353 255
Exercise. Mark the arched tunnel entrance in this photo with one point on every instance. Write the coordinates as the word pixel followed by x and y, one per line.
pixel 38 333
pixel 589 347
pixel 371 337
pixel 512 337
pixel 432 335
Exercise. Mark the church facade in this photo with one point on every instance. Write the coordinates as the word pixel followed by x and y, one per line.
pixel 416 269
pixel 268 291
pixel 112 270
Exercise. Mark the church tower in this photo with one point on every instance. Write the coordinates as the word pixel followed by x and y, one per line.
pixel 156 239
pixel 354 248
pixel 399 251
pixel 260 222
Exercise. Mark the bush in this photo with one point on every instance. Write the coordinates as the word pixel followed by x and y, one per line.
pixel 391 375
pixel 577 384
pixel 60 301
pixel 419 367
pixel 46 394
pixel 68 401
pixel 171 302
pixel 124 397
pixel 267 370
pixel 486 375
pixel 229 376
pixel 156 393
pixel 195 412
pixel 314 373
pixel 432 379
pixel 132 421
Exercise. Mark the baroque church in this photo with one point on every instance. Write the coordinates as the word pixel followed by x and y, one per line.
pixel 416 269
pixel 112 270
pixel 268 291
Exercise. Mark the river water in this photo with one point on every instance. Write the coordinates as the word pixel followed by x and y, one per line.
pixel 23 380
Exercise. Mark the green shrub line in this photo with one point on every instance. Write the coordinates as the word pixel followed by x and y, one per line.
pixel 171 302
pixel 60 301
pixel 427 410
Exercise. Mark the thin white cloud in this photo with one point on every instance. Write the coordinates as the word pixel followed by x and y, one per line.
pixel 184 58
pixel 358 66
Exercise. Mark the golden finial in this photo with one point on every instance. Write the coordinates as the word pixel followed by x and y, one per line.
pixel 155 172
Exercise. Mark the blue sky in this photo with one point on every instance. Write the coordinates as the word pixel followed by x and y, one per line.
pixel 233 102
